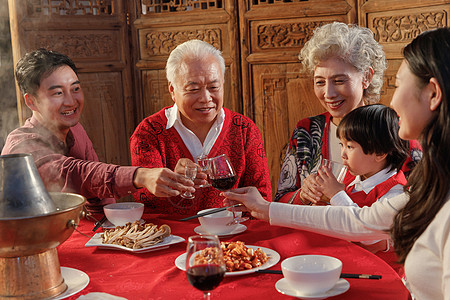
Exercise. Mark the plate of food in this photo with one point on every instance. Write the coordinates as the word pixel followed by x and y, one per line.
pixel 262 258
pixel 135 237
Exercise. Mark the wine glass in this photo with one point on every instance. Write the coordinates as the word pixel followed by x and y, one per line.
pixel 190 172
pixel 339 171
pixel 205 265
pixel 223 177
pixel 203 162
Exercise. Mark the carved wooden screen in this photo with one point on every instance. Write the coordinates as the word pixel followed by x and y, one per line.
pixel 275 94
pixel 94 34
pixel 395 24
pixel 159 26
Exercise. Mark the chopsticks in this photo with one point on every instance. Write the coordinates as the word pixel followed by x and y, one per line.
pixel 343 275
pixel 99 223
pixel 360 276
pixel 212 211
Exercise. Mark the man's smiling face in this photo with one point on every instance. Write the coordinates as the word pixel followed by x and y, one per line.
pixel 58 103
pixel 198 92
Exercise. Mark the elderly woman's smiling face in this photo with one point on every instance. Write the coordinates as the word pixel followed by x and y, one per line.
pixel 339 86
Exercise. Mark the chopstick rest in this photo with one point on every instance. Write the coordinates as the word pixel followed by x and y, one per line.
pixel 343 275
pixel 212 211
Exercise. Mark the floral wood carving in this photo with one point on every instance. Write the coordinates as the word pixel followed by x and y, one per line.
pixel 77 45
pixel 169 6
pixel 403 28
pixel 37 8
pixel 269 2
pixel 163 42
pixel 288 35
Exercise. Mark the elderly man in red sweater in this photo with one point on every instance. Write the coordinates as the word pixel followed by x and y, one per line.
pixel 198 124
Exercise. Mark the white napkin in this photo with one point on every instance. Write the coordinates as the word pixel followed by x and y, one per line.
pixel 100 296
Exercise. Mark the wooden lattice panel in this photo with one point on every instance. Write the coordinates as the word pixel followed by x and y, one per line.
pixel 269 2
pixel 168 6
pixel 36 8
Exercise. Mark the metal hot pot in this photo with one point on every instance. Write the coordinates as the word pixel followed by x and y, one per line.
pixel 32 224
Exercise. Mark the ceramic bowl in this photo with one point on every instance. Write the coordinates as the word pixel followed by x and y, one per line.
pixel 121 213
pixel 217 223
pixel 311 274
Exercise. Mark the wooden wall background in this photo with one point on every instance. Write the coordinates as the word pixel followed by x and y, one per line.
pixel 121 47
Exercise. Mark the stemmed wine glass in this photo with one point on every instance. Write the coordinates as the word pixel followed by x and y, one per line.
pixel 190 172
pixel 205 265
pixel 203 162
pixel 223 177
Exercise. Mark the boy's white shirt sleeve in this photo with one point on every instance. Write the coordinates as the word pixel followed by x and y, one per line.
pixel 345 222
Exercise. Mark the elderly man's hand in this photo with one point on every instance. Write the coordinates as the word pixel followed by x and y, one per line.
pixel 200 179
pixel 252 200
pixel 162 182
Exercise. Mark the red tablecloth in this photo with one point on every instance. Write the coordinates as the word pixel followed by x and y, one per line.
pixel 153 275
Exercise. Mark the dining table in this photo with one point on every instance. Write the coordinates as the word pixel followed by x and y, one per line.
pixel 154 275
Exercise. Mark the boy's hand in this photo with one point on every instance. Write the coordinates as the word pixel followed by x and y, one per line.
pixel 327 183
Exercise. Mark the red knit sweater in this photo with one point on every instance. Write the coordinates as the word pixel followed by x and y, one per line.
pixel 154 146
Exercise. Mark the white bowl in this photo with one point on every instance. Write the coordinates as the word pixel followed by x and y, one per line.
pixel 311 274
pixel 216 223
pixel 123 212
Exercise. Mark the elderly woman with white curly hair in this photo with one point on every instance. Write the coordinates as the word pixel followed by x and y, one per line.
pixel 347 66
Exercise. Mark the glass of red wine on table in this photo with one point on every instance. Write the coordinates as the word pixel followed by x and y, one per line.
pixel 223 177
pixel 205 265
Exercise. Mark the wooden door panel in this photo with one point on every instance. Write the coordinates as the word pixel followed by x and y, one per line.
pixel 155 91
pixel 105 115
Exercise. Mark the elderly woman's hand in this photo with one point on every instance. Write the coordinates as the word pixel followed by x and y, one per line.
pixel 252 200
pixel 310 193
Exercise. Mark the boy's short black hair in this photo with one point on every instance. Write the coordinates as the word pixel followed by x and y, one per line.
pixel 375 127
pixel 37 65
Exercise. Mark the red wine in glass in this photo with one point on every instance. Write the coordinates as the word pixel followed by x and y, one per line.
pixel 205 265
pixel 223 177
pixel 205 277
pixel 224 183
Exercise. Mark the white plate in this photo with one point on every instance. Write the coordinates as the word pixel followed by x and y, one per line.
pixel 76 281
pixel 96 241
pixel 283 287
pixel 239 228
pixel 108 225
pixel 274 258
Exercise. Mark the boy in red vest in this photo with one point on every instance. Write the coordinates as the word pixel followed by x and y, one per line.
pixel 374 153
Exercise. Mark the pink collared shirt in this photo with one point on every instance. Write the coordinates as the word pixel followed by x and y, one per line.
pixel 72 166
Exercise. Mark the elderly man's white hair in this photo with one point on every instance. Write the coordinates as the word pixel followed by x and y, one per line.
pixel 191 49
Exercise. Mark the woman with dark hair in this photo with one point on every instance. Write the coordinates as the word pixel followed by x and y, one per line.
pixel 419 219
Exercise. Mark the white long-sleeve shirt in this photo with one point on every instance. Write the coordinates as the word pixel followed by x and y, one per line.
pixel 427 266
